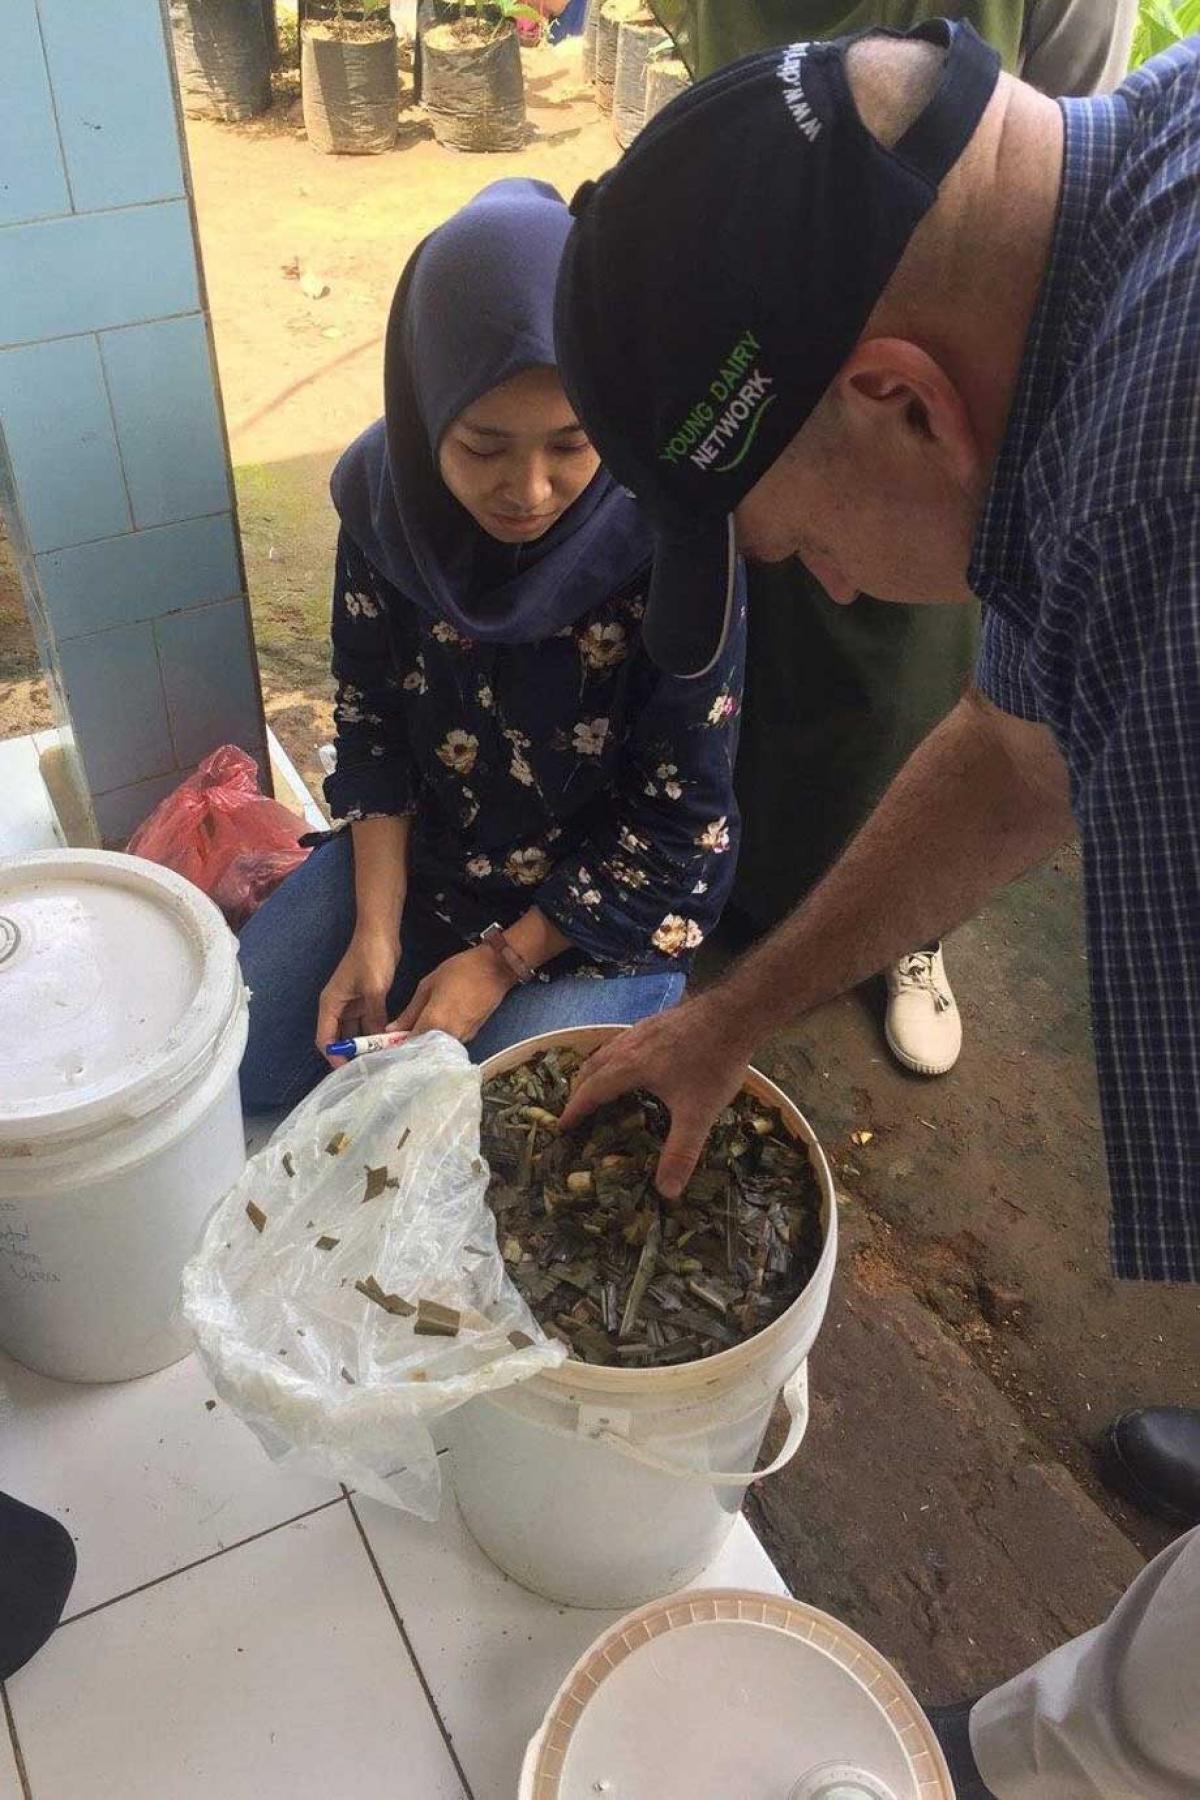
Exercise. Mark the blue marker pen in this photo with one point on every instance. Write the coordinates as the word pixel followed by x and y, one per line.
pixel 361 1046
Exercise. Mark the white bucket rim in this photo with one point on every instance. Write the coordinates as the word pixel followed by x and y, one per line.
pixel 726 1366
pixel 190 1050
pixel 545 1755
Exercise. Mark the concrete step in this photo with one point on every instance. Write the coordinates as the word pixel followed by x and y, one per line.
pixel 919 1508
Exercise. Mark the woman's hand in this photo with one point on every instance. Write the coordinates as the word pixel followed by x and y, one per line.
pixel 354 1000
pixel 459 996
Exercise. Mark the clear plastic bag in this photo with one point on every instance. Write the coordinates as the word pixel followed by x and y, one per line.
pixel 215 828
pixel 376 1177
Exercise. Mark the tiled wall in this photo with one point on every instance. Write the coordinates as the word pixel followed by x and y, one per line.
pixel 114 472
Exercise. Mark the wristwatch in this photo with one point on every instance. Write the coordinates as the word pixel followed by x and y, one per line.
pixel 509 955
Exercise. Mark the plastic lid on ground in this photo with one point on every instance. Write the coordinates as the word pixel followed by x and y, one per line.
pixel 721 1692
pixel 117 981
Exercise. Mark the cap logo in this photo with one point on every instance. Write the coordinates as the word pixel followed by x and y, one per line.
pixel 741 391
pixel 791 74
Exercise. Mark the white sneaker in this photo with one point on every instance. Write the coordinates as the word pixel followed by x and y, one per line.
pixel 923 1026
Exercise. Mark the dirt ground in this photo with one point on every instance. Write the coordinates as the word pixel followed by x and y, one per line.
pixel 945 1501
pixel 24 703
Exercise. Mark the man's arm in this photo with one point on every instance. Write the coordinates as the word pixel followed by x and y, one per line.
pixel 981 800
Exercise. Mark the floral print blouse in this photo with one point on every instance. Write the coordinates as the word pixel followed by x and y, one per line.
pixel 569 773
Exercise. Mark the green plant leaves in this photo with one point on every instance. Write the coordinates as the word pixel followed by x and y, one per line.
pixel 1162 23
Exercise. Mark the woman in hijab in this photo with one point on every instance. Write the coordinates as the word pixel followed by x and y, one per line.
pixel 540 825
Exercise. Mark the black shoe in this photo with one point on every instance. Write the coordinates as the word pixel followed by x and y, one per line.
pixel 37 1567
pixel 950 1728
pixel 1152 1456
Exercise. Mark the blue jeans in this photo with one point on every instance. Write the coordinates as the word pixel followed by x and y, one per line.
pixel 293 943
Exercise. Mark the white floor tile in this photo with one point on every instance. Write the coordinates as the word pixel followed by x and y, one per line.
pixel 272 1673
pixel 493 1653
pixel 27 817
pixel 144 1476
pixel 744 1563
pixel 295 791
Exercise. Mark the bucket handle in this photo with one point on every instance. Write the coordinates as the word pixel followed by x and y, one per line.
pixel 795 1398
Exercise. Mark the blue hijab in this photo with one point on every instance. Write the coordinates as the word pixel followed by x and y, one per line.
pixel 475 307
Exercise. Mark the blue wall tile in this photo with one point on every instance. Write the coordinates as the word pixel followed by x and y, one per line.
pixel 207 663
pixel 56 422
pixel 112 92
pixel 112 685
pixel 96 270
pixel 113 468
pixel 140 575
pixel 121 810
pixel 161 378
pixel 32 183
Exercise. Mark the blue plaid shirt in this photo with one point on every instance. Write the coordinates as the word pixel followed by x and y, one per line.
pixel 1088 562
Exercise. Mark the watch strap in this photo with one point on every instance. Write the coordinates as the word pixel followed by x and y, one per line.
pixel 495 938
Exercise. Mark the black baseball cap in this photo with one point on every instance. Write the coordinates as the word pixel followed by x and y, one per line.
pixel 718 277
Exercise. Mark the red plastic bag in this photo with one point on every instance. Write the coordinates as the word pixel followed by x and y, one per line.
pixel 219 831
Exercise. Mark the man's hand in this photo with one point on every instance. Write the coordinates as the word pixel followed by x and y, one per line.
pixel 980 801
pixel 354 1000
pixel 686 1056
pixel 459 996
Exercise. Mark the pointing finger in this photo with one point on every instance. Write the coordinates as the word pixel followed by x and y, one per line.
pixel 601 1079
pixel 690 1127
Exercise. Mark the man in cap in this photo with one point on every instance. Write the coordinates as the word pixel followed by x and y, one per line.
pixel 940 337
pixel 836 699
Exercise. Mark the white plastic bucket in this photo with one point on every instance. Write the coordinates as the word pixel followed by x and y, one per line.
pixel 606 1487
pixel 728 1694
pixel 122 1024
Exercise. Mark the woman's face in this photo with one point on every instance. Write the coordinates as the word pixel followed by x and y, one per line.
pixel 518 457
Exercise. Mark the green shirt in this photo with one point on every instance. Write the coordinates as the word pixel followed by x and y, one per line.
pixel 1058 45
pixel 711 33
pixel 1061 46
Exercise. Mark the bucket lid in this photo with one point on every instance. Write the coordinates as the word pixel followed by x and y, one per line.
pixel 722 1691
pixel 117 981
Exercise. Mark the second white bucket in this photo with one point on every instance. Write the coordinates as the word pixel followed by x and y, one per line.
pixel 608 1487
pixel 122 1024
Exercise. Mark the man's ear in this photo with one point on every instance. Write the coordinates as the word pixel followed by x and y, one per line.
pixel 888 385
